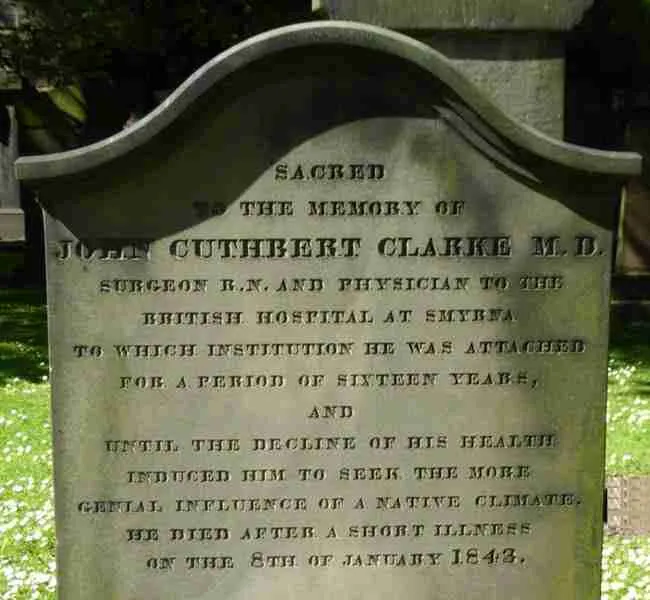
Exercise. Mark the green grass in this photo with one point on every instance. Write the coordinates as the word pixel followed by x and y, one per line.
pixel 26 509
pixel 628 419
pixel 26 512
pixel 23 336
pixel 626 568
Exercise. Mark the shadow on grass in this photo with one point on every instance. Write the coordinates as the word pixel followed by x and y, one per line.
pixel 23 335
pixel 630 342
pixel 630 346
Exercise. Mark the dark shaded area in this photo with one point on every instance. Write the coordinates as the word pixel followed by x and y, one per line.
pixel 608 62
pixel 629 338
pixel 608 58
pixel 23 336
pixel 32 273
pixel 5 125
pixel 145 44
pixel 633 289
pixel 629 334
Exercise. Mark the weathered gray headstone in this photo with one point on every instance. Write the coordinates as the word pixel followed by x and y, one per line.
pixel 329 324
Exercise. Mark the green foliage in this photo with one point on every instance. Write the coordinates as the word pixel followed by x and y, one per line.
pixel 118 55
pixel 60 38
pixel 63 40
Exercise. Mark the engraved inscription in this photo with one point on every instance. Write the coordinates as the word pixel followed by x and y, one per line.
pixel 356 370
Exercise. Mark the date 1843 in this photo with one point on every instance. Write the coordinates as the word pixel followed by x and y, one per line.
pixel 491 556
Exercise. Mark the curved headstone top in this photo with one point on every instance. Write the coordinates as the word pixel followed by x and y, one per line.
pixel 463 105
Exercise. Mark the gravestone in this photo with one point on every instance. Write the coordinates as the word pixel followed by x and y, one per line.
pixel 328 323
pixel 513 51
pixel 12 218
pixel 12 226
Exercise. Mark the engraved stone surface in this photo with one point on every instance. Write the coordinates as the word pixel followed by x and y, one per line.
pixel 329 324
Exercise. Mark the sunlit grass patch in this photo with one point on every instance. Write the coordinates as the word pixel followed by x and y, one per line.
pixel 26 509
pixel 628 404
pixel 626 568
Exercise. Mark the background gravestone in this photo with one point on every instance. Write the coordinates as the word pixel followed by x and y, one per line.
pixel 513 51
pixel 329 322
pixel 12 228
pixel 627 505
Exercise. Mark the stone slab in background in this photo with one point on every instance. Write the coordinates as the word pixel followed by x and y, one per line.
pixel 633 251
pixel 498 15
pixel 12 218
pixel 12 225
pixel 512 50
pixel 522 73
pixel 628 505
